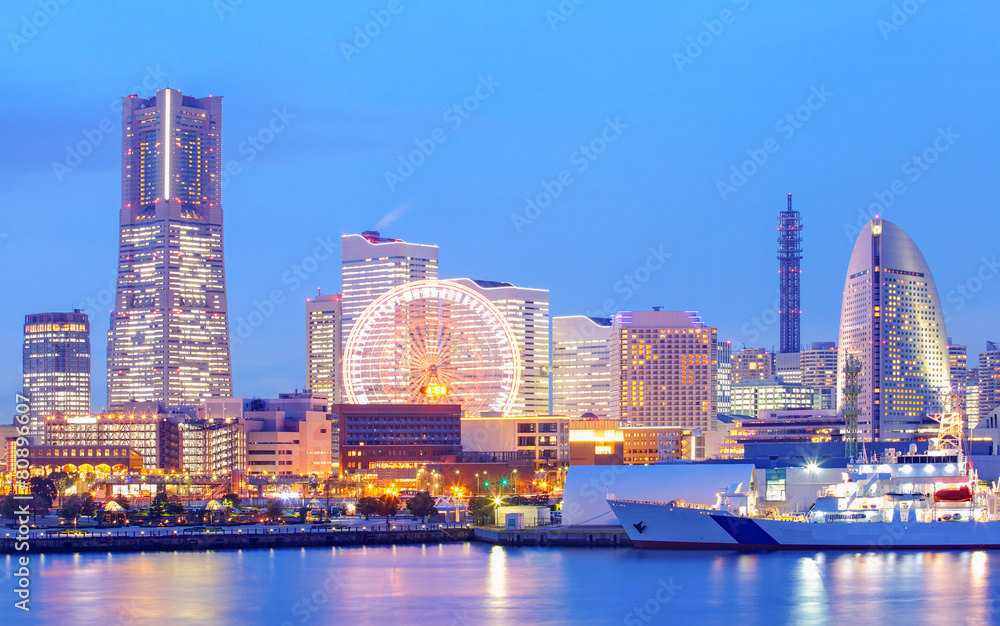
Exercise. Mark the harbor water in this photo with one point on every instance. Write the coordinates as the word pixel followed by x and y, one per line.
pixel 471 583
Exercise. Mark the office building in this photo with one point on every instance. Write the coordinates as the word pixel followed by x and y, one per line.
pixel 989 378
pixel 752 364
pixel 290 434
pixel 151 434
pixel 323 347
pixel 724 377
pixel 168 339
pixel 819 372
pixel 892 322
pixel 753 397
pixel 581 365
pixel 594 441
pixel 643 445
pixel 371 265
pixel 391 437
pixel 56 367
pixel 663 369
pixel 546 437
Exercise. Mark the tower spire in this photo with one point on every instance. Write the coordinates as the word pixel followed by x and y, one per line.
pixel 789 272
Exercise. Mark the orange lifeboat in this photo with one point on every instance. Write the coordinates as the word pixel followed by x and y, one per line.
pixel 958 494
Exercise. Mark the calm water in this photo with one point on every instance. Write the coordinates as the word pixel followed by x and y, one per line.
pixel 463 584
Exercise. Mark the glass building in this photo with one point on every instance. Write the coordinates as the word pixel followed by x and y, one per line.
pixel 581 366
pixel 56 367
pixel 168 339
pixel 323 348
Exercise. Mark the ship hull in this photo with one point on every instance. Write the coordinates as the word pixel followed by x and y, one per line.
pixel 679 528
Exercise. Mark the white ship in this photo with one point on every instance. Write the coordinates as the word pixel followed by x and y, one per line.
pixel 897 501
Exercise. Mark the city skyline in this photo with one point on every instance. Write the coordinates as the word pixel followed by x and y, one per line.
pixel 581 247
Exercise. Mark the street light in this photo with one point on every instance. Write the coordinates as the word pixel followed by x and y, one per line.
pixel 515 482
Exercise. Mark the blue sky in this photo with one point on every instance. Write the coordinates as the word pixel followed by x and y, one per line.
pixel 631 118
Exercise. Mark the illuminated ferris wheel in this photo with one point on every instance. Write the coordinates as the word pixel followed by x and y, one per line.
pixel 433 342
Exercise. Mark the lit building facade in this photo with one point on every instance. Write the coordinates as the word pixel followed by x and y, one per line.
pixel 371 265
pixel 642 445
pixel 784 426
pixel 56 367
pixel 392 437
pixel 724 377
pixel 819 372
pixel 546 437
pixel 212 447
pixel 594 441
pixel 323 347
pixel 153 436
pixel 989 378
pixel 527 312
pixel 168 339
pixel 290 434
pixel 751 398
pixel 752 364
pixel 664 367
pixel 892 321
pixel 581 365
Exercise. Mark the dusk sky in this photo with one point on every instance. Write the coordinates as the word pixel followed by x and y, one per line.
pixel 635 117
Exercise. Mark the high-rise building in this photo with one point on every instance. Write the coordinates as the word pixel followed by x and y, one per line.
pixel 893 323
pixel 56 367
pixel 527 312
pixel 724 378
pixel 581 366
pixel 169 334
pixel 819 372
pixel 972 397
pixel 664 367
pixel 372 265
pixel 989 378
pixel 752 364
pixel 323 347
pixel 789 277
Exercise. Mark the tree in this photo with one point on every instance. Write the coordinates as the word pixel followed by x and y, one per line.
pixel 7 507
pixel 482 509
pixel 368 506
pixel 421 505
pixel 60 480
pixel 44 486
pixel 72 508
pixel 231 500
pixel 388 505
pixel 273 511
pixel 89 506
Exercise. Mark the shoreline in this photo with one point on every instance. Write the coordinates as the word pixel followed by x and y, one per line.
pixel 256 539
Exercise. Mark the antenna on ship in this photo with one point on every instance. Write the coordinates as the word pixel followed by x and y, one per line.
pixel 852 390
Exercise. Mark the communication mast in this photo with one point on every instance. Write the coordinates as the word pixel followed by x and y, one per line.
pixel 852 390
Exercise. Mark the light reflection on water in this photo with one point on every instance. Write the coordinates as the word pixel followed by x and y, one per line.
pixel 460 584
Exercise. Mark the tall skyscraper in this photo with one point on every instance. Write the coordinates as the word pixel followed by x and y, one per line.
pixel 789 274
pixel 892 321
pixel 581 366
pixel 56 367
pixel 752 364
pixel 323 348
pixel 989 378
pixel 372 265
pixel 527 312
pixel 168 339
pixel 819 372
pixel 663 366
pixel 724 378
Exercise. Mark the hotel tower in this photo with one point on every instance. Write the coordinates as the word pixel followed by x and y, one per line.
pixel 891 320
pixel 169 335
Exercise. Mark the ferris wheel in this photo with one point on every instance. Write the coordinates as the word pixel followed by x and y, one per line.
pixel 433 342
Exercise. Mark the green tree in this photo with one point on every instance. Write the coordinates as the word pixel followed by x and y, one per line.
pixel 274 511
pixel 368 506
pixel 159 505
pixel 60 480
pixel 44 487
pixel 72 508
pixel 231 500
pixel 421 505
pixel 388 505
pixel 7 507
